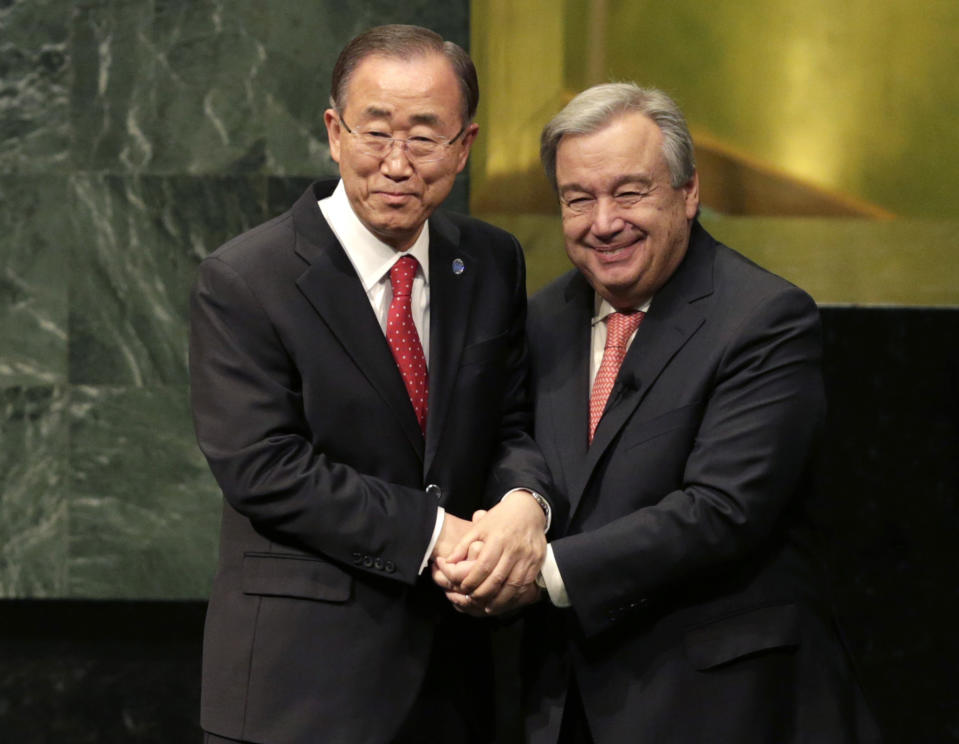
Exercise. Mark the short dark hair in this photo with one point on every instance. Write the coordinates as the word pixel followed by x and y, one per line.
pixel 403 41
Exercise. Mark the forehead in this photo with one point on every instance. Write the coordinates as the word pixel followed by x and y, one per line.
pixel 631 144
pixel 424 85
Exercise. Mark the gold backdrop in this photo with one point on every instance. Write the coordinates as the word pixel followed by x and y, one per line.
pixel 816 122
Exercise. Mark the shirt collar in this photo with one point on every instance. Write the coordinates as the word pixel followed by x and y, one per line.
pixel 602 309
pixel 370 256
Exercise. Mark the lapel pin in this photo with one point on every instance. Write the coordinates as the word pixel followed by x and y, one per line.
pixel 458 266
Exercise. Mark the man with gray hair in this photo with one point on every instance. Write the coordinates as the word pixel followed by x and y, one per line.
pixel 678 397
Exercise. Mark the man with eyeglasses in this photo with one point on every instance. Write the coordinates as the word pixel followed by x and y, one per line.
pixel 358 370
pixel 678 396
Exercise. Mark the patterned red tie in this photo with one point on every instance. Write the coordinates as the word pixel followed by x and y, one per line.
pixel 619 327
pixel 403 339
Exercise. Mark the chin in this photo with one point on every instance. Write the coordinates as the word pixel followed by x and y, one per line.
pixel 616 280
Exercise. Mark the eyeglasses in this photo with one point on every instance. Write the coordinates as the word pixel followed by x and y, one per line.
pixel 420 148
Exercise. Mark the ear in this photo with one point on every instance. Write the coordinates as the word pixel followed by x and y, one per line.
pixel 468 137
pixel 691 195
pixel 333 132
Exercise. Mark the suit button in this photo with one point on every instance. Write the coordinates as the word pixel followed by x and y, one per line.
pixel 357 558
pixel 378 563
pixel 368 561
pixel 433 490
pixel 390 567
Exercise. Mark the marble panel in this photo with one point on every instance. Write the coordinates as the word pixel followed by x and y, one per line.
pixel 114 66
pixel 206 99
pixel 144 509
pixel 167 87
pixel 33 509
pixel 34 85
pixel 139 240
pixel 206 86
pixel 34 274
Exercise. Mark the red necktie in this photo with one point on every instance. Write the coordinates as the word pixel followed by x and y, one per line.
pixel 403 339
pixel 619 327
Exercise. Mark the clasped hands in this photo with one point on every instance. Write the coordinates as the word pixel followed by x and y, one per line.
pixel 489 565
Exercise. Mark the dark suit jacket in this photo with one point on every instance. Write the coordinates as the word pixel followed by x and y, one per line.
pixel 318 627
pixel 697 614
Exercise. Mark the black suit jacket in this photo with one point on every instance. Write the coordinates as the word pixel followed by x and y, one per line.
pixel 697 614
pixel 319 628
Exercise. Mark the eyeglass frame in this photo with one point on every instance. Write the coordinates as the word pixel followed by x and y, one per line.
pixel 405 143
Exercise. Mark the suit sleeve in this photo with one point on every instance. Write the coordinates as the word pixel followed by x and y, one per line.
pixel 518 462
pixel 250 423
pixel 764 408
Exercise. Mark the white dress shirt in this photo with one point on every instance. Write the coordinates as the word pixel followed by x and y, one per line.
pixel 552 579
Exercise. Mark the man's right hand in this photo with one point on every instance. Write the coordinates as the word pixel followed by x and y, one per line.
pixel 451 533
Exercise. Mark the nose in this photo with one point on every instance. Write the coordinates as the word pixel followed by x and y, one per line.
pixel 396 163
pixel 606 218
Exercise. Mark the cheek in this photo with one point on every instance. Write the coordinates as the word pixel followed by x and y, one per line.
pixel 573 251
pixel 445 177
pixel 573 235
pixel 581 258
pixel 358 176
pixel 572 243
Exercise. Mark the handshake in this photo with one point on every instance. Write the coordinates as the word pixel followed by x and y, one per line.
pixel 489 565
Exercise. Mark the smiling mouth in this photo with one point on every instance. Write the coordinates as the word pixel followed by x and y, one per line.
pixel 612 252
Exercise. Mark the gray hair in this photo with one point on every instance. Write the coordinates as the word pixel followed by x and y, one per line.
pixel 403 42
pixel 596 107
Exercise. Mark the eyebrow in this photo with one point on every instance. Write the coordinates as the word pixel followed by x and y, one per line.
pixel 643 179
pixel 430 119
pixel 374 112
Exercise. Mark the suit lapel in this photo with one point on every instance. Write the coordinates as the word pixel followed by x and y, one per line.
pixel 451 296
pixel 565 389
pixel 333 288
pixel 673 318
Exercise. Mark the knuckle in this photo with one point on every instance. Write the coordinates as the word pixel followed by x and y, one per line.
pixel 484 593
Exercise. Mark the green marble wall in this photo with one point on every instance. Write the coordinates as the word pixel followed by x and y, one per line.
pixel 136 136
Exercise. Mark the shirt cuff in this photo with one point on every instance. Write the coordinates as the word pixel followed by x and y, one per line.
pixel 543 504
pixel 437 529
pixel 552 581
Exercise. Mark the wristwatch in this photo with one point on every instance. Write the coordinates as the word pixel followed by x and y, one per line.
pixel 544 505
